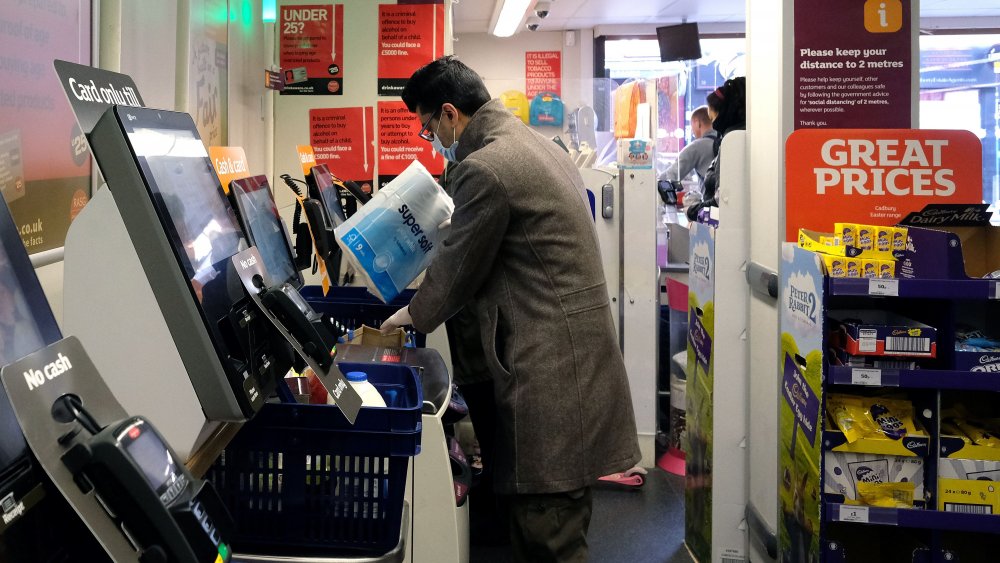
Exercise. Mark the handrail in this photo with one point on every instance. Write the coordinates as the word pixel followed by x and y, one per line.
pixel 762 280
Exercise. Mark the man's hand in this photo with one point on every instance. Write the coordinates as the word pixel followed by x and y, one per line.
pixel 398 319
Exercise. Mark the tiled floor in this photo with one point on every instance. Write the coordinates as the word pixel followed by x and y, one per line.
pixel 628 526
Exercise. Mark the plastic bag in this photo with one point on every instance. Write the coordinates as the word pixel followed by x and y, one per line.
pixel 393 237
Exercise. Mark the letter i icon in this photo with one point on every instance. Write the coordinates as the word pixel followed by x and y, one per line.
pixel 883 16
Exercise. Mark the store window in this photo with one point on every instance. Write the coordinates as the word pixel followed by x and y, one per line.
pixel 959 84
pixel 959 88
pixel 679 86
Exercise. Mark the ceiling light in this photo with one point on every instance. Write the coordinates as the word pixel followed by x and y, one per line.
pixel 511 14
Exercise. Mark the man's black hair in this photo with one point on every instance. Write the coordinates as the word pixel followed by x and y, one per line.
pixel 733 109
pixel 445 80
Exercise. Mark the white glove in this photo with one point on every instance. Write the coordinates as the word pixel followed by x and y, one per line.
pixel 445 224
pixel 398 319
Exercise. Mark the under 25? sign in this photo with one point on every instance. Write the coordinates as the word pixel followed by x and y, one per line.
pixel 876 176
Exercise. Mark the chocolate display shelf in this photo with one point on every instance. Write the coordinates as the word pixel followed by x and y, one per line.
pixel 936 285
pixel 913 518
pixel 914 378
pixel 915 288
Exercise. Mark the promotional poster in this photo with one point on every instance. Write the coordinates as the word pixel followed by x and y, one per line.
pixel 852 64
pixel 876 177
pixel 311 45
pixel 409 36
pixel 344 140
pixel 45 170
pixel 399 145
pixel 700 382
pixel 800 309
pixel 542 73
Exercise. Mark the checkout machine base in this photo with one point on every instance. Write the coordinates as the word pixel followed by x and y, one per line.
pixel 396 555
pixel 440 529
pixel 103 313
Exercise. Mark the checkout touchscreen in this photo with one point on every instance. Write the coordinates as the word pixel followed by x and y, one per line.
pixel 264 229
pixel 26 326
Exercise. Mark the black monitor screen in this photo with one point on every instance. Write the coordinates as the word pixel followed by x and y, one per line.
pixel 195 213
pixel 264 228
pixel 679 42
pixel 26 326
pixel 321 187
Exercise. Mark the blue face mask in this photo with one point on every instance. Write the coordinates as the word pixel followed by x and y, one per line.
pixel 447 152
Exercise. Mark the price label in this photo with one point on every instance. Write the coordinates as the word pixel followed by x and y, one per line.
pixel 866 377
pixel 883 287
pixel 850 513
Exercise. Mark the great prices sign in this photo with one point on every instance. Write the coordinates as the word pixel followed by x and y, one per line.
pixel 876 176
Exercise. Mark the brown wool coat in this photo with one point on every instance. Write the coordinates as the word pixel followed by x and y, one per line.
pixel 523 245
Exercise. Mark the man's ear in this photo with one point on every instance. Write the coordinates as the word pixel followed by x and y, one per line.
pixel 451 111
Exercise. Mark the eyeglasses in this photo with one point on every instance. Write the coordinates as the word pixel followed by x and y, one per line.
pixel 425 131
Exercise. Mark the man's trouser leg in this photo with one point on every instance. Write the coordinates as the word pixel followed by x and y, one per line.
pixel 551 528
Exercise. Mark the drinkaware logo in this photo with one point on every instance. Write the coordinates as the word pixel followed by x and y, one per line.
pixel 12 509
pixel 252 261
pixel 36 378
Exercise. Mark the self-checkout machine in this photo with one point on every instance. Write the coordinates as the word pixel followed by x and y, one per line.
pixel 36 521
pixel 436 496
pixel 203 361
pixel 115 471
pixel 214 337
pixel 162 229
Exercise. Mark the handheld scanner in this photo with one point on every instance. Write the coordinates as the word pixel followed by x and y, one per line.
pixel 354 189
pixel 167 515
pixel 301 321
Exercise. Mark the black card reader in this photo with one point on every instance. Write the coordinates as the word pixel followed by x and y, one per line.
pixel 168 515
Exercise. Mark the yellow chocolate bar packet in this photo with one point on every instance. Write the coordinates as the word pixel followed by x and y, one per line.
pixel 892 417
pixel 849 414
pixel 889 495
pixel 979 435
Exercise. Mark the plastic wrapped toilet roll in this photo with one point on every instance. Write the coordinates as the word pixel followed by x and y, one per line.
pixel 393 237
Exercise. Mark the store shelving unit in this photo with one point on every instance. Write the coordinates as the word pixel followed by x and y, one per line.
pixel 816 525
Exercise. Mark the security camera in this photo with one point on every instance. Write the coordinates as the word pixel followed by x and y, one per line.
pixel 542 9
pixel 532 24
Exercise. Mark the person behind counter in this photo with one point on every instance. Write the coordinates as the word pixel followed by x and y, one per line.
pixel 727 107
pixel 523 248
pixel 696 157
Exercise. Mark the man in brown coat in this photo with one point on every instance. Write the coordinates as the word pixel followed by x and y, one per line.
pixel 523 248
